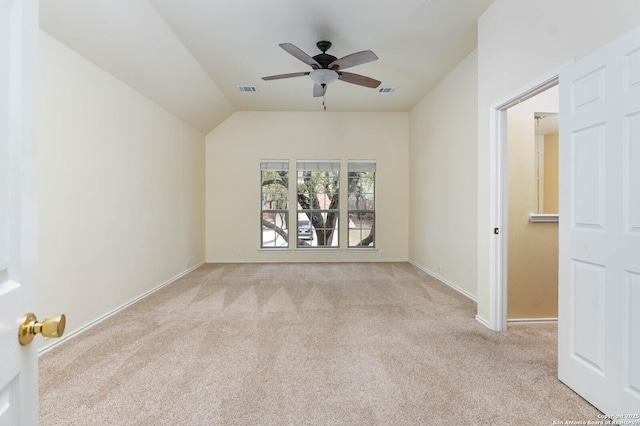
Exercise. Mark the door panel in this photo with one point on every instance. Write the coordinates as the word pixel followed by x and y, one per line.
pixel 599 279
pixel 628 55
pixel 587 147
pixel 632 173
pixel 588 91
pixel 18 208
pixel 10 302
pixel 588 317
pixel 632 376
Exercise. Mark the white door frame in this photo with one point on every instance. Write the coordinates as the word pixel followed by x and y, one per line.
pixel 498 199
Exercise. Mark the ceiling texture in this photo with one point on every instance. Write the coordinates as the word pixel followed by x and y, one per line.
pixel 190 56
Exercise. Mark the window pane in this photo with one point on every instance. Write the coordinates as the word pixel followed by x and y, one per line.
pixel 274 179
pixel 275 232
pixel 318 204
pixel 361 204
pixel 361 232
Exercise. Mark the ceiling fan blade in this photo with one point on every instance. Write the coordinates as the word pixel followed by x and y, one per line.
pixel 279 76
pixel 353 60
pixel 319 90
pixel 294 51
pixel 358 79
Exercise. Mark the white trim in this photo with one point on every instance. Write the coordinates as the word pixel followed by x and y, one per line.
pixel 57 342
pixel 544 218
pixel 498 219
pixel 539 85
pixel 483 321
pixel 498 216
pixel 517 321
pixel 313 249
pixel 445 281
pixel 341 260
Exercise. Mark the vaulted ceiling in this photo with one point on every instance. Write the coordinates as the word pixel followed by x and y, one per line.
pixel 190 56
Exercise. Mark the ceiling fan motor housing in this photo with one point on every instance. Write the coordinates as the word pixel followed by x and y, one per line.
pixel 324 59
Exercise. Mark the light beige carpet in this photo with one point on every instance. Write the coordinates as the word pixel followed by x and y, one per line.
pixel 316 344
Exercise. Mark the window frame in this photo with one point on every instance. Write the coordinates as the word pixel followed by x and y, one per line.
pixel 362 166
pixel 319 166
pixel 275 166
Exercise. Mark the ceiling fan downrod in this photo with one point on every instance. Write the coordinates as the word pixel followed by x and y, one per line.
pixel 323 45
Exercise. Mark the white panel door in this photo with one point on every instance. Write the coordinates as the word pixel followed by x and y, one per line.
pixel 18 215
pixel 599 277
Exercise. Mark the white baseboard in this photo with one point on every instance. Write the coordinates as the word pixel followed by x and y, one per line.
pixel 532 321
pixel 381 259
pixel 483 322
pixel 449 283
pixel 48 345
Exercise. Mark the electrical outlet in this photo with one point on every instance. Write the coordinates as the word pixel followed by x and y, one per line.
pixel 440 269
pixel 238 254
pixel 381 253
pixel 186 263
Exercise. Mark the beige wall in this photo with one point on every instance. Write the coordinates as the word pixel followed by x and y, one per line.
pixel 442 200
pixel 551 178
pixel 533 247
pixel 121 190
pixel 520 41
pixel 233 153
pixel 121 179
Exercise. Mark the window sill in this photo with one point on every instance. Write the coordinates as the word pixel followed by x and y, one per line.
pixel 267 249
pixel 315 248
pixel 544 218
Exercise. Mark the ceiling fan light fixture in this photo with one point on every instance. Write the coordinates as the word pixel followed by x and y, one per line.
pixel 323 76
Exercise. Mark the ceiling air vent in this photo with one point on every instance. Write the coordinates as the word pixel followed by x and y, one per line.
pixel 387 89
pixel 247 89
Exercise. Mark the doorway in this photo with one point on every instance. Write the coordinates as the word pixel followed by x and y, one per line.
pixel 499 189
pixel 599 268
pixel 532 208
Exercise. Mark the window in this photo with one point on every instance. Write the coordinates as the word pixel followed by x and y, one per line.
pixel 274 184
pixel 318 196
pixel 361 203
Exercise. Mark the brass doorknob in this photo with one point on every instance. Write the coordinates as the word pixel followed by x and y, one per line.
pixel 50 327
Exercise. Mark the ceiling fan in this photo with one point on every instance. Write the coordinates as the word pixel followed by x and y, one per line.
pixel 328 68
